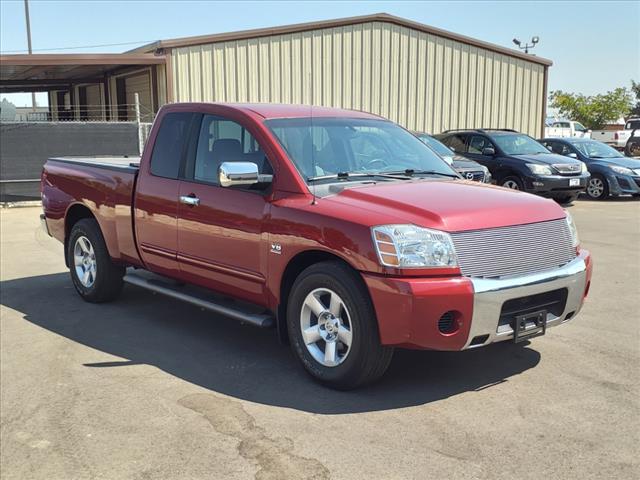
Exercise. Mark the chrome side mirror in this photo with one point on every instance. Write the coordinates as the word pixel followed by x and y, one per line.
pixel 573 155
pixel 231 174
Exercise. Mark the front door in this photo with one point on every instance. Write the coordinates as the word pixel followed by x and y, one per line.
pixel 156 197
pixel 221 244
pixel 475 148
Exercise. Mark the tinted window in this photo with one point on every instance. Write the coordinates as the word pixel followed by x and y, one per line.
pixel 479 143
pixel 632 125
pixel 456 143
pixel 559 148
pixel 167 150
pixel 518 144
pixel 222 140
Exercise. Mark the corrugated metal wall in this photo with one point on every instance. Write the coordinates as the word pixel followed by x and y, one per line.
pixel 422 81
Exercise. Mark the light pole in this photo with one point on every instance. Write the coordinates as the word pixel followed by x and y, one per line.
pixel 26 16
pixel 526 46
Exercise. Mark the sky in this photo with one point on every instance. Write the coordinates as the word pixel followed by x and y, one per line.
pixel 595 46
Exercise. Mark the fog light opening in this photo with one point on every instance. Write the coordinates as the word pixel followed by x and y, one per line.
pixel 448 322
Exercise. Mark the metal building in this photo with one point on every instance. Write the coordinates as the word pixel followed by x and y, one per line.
pixel 424 78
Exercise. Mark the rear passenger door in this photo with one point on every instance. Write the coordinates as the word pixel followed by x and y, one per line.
pixel 220 228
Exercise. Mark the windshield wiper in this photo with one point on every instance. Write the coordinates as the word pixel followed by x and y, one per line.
pixel 349 175
pixel 411 172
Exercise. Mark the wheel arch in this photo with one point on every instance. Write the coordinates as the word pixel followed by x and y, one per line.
pixel 296 265
pixel 75 213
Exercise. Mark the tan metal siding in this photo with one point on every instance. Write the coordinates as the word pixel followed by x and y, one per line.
pixel 423 81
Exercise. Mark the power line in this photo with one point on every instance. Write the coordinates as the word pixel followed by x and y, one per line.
pixel 78 47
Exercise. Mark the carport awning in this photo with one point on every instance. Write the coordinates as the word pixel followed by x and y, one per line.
pixel 41 72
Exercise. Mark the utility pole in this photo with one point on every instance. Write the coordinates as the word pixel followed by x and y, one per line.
pixel 26 16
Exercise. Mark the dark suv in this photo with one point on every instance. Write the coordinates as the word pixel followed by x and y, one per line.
pixel 517 161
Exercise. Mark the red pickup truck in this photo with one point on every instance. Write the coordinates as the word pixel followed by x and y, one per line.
pixel 339 228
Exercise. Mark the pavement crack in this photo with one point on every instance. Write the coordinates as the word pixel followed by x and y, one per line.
pixel 273 456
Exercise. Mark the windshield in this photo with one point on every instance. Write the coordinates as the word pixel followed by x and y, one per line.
pixel 321 147
pixel 596 150
pixel 579 127
pixel 438 146
pixel 518 145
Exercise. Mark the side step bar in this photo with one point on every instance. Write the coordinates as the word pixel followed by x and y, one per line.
pixel 194 297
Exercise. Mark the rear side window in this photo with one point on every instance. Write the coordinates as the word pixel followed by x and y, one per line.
pixel 168 147
pixel 456 143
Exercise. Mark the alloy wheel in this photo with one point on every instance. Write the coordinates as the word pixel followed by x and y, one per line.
pixel 327 330
pixel 512 184
pixel 595 188
pixel 84 260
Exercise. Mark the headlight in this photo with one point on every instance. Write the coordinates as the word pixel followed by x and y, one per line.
pixel 409 246
pixel 540 169
pixel 575 241
pixel 583 168
pixel 621 170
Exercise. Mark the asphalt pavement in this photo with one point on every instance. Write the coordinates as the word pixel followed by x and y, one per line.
pixel 150 388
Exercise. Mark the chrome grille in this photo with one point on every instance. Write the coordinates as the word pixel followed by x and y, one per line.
pixel 568 168
pixel 475 175
pixel 514 250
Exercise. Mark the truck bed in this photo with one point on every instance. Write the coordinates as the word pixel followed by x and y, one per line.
pixel 102 185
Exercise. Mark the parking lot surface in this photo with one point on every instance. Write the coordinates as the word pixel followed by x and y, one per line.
pixel 147 387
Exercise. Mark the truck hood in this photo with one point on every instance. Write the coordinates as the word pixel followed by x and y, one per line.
pixel 451 206
pixel 545 158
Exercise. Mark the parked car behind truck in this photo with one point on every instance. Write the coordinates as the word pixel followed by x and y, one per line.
pixel 468 169
pixel 612 174
pixel 517 161
pixel 300 219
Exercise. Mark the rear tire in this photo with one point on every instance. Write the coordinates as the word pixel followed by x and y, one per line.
pixel 343 316
pixel 513 182
pixel 632 149
pixel 598 187
pixel 96 278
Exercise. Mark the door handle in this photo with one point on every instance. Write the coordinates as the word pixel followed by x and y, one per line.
pixel 190 200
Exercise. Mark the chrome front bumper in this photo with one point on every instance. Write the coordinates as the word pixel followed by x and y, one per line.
pixel 490 295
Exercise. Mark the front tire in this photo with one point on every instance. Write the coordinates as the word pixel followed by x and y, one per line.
pixel 96 278
pixel 597 188
pixel 512 182
pixel 566 199
pixel 333 328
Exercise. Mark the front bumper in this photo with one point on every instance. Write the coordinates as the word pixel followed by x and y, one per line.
pixel 556 185
pixel 409 309
pixel 623 184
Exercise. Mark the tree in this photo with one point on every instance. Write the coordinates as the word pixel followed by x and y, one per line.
pixel 593 111
pixel 635 89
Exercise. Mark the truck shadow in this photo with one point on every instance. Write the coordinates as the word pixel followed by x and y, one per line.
pixel 241 361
